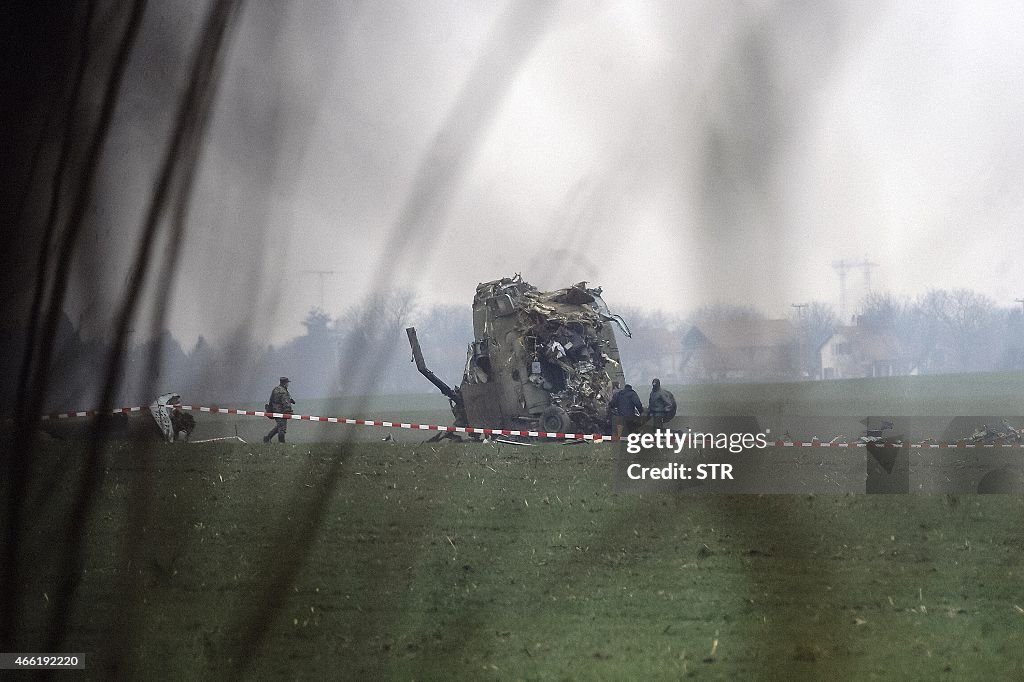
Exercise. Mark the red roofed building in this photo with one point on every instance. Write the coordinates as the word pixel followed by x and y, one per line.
pixel 741 350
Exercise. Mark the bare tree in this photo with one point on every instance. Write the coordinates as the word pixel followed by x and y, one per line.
pixel 968 319
pixel 374 330
pixel 916 332
pixel 882 310
pixel 816 322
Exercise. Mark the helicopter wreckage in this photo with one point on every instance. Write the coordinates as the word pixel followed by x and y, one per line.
pixel 538 360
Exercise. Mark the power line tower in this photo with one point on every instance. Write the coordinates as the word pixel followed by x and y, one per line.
pixel 841 267
pixel 322 274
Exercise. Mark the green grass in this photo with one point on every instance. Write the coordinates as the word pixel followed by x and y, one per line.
pixel 399 407
pixel 428 408
pixel 946 395
pixel 471 561
pixel 949 394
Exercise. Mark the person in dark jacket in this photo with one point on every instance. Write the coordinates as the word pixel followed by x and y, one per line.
pixel 630 409
pixel 280 402
pixel 661 406
pixel 613 417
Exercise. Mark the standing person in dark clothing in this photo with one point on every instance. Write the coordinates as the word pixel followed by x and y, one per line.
pixel 614 419
pixel 280 401
pixel 629 407
pixel 661 406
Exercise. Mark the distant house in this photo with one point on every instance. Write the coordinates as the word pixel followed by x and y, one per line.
pixel 740 350
pixel 858 352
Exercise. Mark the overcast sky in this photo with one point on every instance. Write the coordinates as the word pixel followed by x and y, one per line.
pixel 676 153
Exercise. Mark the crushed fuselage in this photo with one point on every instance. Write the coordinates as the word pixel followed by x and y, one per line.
pixel 542 360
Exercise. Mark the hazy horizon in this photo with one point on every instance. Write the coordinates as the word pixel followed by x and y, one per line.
pixel 675 154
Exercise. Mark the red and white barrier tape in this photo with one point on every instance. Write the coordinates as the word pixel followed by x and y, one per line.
pixel 92 413
pixel 595 437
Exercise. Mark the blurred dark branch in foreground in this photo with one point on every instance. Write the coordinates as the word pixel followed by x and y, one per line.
pixel 62 232
pixel 37 374
pixel 51 223
pixel 176 172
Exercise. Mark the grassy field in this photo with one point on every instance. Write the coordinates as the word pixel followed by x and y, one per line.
pixel 779 406
pixel 473 561
pixel 367 560
pixel 949 394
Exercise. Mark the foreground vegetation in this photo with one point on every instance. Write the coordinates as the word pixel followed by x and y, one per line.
pixel 471 561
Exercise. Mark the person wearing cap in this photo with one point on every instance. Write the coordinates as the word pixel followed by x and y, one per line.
pixel 280 401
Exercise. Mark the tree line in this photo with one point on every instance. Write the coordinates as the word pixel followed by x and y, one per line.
pixel 362 351
pixel 942 331
pixel 365 350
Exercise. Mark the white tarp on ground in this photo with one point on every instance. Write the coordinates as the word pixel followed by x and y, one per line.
pixel 161 411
